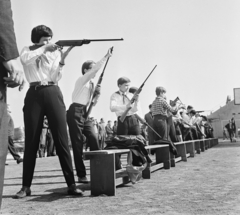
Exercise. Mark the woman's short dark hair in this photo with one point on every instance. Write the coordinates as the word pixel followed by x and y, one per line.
pixel 123 80
pixel 160 90
pixel 86 65
pixel 39 32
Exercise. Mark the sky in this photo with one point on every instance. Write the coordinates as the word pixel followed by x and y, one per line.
pixel 195 45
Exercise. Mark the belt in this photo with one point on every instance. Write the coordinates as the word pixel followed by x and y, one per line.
pixel 160 116
pixel 133 115
pixel 78 104
pixel 39 83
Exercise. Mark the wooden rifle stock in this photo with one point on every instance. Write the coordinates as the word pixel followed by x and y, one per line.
pixel 123 116
pixel 63 43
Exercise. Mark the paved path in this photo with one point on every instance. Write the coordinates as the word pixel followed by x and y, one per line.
pixel 208 184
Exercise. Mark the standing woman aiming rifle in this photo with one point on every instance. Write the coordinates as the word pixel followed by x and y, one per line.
pixel 43 64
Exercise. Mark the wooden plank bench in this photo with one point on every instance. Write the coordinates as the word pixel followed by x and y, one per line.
pixel 104 178
pixel 162 155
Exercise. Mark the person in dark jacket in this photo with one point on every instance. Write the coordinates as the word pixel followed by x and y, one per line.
pixel 8 67
pixel 149 119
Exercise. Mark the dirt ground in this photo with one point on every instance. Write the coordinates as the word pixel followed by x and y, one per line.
pixel 207 184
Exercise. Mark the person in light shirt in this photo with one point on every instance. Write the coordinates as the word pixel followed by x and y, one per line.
pixel 43 66
pixel 79 127
pixel 119 103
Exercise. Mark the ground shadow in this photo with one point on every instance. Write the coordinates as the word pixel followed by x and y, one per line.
pixel 8 185
pixel 60 193
pixel 228 145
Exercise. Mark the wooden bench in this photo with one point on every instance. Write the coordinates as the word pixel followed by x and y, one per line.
pixel 182 150
pixel 162 155
pixel 104 178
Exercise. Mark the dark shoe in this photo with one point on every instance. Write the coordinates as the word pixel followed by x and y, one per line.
pixel 83 180
pixel 25 191
pixel 19 160
pixel 73 190
pixel 6 164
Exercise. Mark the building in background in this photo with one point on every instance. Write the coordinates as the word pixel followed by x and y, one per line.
pixel 221 117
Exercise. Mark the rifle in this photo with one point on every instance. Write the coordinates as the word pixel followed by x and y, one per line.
pixel 145 123
pixel 122 118
pixel 95 94
pixel 63 43
pixel 172 146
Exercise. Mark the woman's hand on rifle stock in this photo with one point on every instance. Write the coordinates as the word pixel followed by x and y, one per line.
pixel 65 54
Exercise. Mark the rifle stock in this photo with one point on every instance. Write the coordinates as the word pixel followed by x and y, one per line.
pixel 63 43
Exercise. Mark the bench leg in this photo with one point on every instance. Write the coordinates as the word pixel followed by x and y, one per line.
pixel 190 147
pixel 146 174
pixel 211 141
pixel 206 144
pixel 102 168
pixel 181 148
pixel 197 147
pixel 202 145
pixel 172 160
pixel 163 156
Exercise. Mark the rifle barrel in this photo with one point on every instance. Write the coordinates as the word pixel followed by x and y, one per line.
pixel 106 40
pixel 79 42
pixel 148 76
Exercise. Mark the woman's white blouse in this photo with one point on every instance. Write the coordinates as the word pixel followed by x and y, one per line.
pixel 41 67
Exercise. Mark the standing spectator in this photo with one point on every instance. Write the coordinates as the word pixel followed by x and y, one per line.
pixel 51 149
pixel 149 119
pixel 109 130
pixel 95 126
pixel 234 129
pixel 101 133
pixel 229 128
pixel 11 147
pixel 224 133
pixel 8 66
pixel 114 127
pixel 42 144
